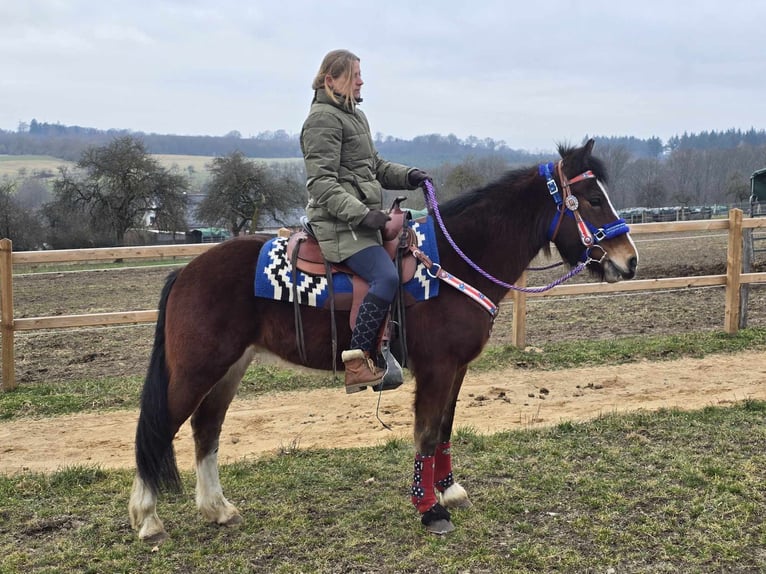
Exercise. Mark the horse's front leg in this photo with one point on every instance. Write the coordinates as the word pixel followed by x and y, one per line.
pixel 434 406
pixel 449 491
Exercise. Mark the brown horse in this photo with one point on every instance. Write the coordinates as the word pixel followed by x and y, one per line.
pixel 210 324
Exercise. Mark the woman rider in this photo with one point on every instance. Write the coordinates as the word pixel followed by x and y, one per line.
pixel 345 181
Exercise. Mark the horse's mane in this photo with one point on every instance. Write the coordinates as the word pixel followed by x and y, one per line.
pixel 509 180
pixel 576 159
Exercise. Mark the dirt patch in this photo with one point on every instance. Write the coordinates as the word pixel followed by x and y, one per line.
pixel 328 418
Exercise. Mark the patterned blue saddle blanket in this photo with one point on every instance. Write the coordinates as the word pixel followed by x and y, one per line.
pixel 274 274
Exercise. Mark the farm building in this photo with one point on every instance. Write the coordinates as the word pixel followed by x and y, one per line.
pixel 758 193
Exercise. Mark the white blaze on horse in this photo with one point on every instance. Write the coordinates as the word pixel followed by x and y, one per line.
pixel 210 324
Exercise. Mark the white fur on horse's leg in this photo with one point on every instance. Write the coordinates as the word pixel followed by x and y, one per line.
pixel 454 497
pixel 209 495
pixel 143 513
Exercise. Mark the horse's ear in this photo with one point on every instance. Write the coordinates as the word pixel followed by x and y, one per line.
pixel 588 148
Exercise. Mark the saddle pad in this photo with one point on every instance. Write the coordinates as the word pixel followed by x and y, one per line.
pixel 274 273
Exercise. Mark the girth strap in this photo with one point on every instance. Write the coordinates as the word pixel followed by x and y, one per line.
pixel 333 327
pixel 299 339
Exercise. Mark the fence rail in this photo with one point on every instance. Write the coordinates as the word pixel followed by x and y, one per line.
pixel 733 280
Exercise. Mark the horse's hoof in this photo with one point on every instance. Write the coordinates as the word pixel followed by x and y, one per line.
pixel 155 538
pixel 459 504
pixel 455 497
pixel 440 527
pixel 437 520
pixel 235 520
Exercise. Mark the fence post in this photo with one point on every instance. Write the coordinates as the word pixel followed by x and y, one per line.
pixel 733 272
pixel 519 324
pixel 6 314
pixel 747 262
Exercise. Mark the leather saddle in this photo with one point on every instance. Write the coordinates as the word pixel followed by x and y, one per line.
pixel 305 255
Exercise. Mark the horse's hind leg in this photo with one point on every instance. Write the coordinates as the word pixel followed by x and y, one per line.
pixel 206 423
pixel 143 513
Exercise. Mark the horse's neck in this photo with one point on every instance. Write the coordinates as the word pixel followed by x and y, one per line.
pixel 502 244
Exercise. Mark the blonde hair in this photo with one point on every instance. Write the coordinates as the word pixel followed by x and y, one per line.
pixel 337 64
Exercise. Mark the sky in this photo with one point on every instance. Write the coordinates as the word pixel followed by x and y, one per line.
pixel 530 74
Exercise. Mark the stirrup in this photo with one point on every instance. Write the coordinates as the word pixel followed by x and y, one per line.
pixel 394 377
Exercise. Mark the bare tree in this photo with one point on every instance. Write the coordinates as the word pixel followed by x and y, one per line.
pixel 116 186
pixel 616 159
pixel 21 226
pixel 241 191
pixel 642 184
pixel 473 172
pixel 32 193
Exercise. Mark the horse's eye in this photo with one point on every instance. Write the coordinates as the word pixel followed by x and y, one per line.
pixel 595 201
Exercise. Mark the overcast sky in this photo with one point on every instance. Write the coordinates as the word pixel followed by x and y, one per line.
pixel 529 73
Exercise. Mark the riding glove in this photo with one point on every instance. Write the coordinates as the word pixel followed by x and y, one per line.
pixel 375 219
pixel 417 177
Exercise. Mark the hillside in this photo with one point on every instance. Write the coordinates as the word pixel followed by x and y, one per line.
pixel 68 142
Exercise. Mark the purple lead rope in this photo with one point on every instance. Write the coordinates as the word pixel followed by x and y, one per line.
pixel 432 203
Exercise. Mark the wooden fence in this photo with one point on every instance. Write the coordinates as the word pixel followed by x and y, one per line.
pixel 733 281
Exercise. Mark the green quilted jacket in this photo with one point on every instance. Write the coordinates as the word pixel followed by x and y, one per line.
pixel 345 177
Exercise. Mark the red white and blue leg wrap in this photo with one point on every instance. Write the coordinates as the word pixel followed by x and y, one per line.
pixel 423 495
pixel 443 467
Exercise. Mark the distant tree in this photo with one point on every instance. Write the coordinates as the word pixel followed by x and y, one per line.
pixel 642 184
pixel 241 191
pixel 654 147
pixel 16 223
pixel 616 158
pixel 170 208
pixel 32 194
pixel 651 193
pixel 116 186
pixel 461 178
pixel 737 188
pixel 68 226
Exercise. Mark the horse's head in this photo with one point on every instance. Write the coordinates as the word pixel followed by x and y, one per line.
pixel 586 227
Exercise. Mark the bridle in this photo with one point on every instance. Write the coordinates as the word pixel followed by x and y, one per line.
pixel 567 204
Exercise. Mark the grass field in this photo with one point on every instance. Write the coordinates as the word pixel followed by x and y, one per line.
pixel 193 166
pixel 20 166
pixel 650 492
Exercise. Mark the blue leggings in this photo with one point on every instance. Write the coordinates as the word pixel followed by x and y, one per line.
pixel 374 265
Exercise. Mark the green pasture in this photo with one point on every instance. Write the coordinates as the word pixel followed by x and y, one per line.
pixel 16 167
pixel 656 492
pixel 195 167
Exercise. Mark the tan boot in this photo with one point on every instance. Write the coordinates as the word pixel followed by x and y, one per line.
pixel 360 370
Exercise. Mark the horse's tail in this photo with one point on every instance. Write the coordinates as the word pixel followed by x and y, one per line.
pixel 155 457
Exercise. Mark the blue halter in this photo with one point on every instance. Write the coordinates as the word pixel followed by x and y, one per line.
pixel 590 235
